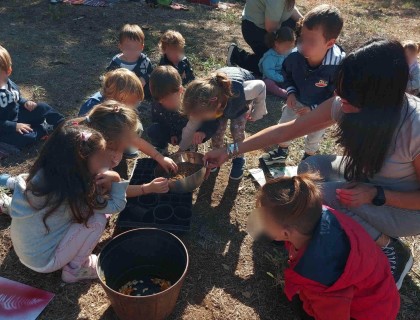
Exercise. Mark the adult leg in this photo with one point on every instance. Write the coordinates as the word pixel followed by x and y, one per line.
pixel 255 91
pixel 74 253
pixel 329 167
pixel 254 37
pixel 275 89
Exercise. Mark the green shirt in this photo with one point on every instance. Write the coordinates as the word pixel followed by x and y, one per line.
pixel 257 11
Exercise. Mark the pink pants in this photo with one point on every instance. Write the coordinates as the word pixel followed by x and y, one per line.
pixel 274 88
pixel 78 244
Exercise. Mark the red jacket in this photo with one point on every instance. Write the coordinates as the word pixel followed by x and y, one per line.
pixel 363 288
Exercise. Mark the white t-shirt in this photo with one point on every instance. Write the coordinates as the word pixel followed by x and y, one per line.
pixel 398 172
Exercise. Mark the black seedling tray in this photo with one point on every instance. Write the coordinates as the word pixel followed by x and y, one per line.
pixel 140 211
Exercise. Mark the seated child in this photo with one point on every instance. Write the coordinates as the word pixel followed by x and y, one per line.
pixel 309 74
pixel 21 120
pixel 131 44
pixel 121 85
pixel 412 51
pixel 281 43
pixel 336 271
pixel 172 45
pixel 168 122
pixel 225 96
pixel 57 219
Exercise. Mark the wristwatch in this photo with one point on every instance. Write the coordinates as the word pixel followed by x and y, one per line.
pixel 379 199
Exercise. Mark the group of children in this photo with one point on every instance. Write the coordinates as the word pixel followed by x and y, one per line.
pixel 59 209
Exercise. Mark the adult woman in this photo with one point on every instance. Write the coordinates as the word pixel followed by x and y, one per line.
pixel 379 130
pixel 258 18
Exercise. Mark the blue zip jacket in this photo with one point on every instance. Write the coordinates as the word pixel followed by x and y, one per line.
pixel 184 68
pixel 10 100
pixel 271 65
pixel 312 86
pixel 97 98
pixel 142 68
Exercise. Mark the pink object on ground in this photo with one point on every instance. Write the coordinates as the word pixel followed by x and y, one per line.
pixel 274 88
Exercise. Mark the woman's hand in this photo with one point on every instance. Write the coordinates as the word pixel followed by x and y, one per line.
pixel 356 194
pixel 167 163
pixel 215 158
pixel 158 185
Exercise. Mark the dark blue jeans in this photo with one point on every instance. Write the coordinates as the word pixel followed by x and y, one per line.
pixel 35 118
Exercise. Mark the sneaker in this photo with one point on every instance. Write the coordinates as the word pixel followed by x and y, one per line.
pixel 131 153
pixel 5 202
pixel 400 260
pixel 306 155
pixel 238 166
pixel 278 156
pixel 86 272
pixel 233 48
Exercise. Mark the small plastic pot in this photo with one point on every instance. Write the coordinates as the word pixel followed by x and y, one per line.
pixel 182 215
pixel 163 214
pixel 147 200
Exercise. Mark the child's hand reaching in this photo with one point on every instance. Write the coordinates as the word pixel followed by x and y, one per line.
pixel 30 105
pixel 303 110
pixel 167 163
pixel 174 140
pixel 105 179
pixel 159 185
pixel 198 138
pixel 23 128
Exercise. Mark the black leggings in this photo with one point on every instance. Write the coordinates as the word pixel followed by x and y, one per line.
pixel 255 38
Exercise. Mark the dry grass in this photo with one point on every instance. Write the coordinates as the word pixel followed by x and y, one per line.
pixel 59 53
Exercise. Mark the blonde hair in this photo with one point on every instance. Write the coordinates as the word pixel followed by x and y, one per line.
pixel 207 94
pixel 120 84
pixel 412 46
pixel 131 32
pixel 171 38
pixel 293 202
pixel 111 119
pixel 5 60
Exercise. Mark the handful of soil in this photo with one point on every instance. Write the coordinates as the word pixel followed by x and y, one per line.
pixel 185 169
pixel 144 287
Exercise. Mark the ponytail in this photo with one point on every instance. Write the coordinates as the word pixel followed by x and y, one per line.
pixel 208 94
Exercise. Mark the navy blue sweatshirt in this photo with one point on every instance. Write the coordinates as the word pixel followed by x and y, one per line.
pixel 142 68
pixel 97 98
pixel 312 86
pixel 10 100
pixel 237 104
pixel 184 69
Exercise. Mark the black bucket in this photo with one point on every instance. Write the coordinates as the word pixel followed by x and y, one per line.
pixel 138 254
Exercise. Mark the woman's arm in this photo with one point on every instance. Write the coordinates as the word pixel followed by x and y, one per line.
pixel 271 26
pixel 296 15
pixel 313 121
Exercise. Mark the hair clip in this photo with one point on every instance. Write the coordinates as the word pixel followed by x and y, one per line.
pixel 116 109
pixel 85 135
pixel 74 123
pixel 213 99
pixel 87 119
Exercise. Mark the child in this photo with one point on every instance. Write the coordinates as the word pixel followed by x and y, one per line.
pixel 224 96
pixel 57 219
pixel 131 44
pixel 168 122
pixel 281 43
pixel 412 50
pixel 121 85
pixel 309 74
pixel 335 269
pixel 172 45
pixel 21 120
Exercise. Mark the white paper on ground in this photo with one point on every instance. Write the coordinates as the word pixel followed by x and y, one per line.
pixel 275 172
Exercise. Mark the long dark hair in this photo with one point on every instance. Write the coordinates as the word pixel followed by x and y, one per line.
pixel 372 78
pixel 65 174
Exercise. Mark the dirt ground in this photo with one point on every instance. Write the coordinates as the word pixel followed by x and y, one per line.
pixel 60 51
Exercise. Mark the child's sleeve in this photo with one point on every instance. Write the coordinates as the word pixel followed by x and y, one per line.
pixel 189 74
pixel 112 66
pixel 188 134
pixel 325 306
pixel 117 201
pixel 269 70
pixel 7 126
pixel 413 83
pixel 209 128
pixel 15 87
pixel 148 70
pixel 288 76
